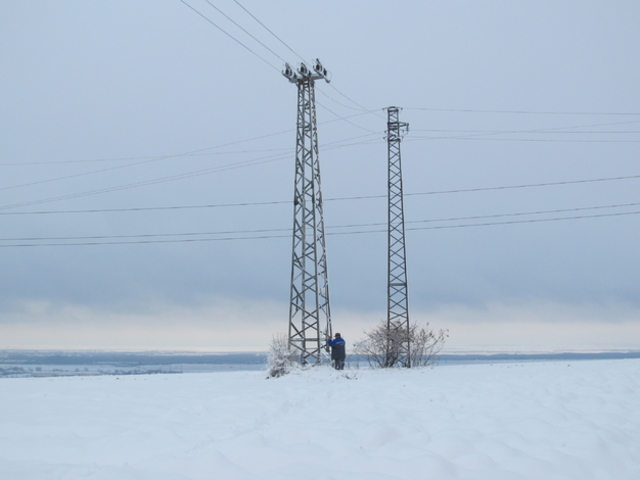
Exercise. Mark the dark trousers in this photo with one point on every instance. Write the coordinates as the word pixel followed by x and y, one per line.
pixel 338 364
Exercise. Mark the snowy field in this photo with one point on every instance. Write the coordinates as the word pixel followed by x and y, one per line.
pixel 542 421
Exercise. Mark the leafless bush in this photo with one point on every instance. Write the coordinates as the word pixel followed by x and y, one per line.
pixel 280 360
pixel 387 345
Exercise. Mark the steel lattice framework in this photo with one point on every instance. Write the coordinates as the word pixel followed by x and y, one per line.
pixel 398 347
pixel 309 312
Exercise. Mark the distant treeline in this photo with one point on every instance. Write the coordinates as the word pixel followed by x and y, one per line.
pixel 538 356
pixel 133 359
pixel 129 359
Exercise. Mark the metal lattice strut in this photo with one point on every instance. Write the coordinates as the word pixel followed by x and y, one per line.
pixel 398 347
pixel 309 313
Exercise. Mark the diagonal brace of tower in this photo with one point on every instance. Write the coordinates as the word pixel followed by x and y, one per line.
pixel 309 312
pixel 398 343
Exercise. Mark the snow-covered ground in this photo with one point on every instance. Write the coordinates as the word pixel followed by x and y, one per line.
pixel 542 421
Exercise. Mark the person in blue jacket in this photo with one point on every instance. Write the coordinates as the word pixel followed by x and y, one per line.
pixel 338 351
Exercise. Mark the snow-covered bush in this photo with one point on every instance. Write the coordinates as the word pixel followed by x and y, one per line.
pixel 385 345
pixel 280 360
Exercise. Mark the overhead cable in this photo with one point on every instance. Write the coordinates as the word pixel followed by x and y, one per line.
pixel 189 153
pixel 339 103
pixel 269 30
pixel 520 112
pixel 182 176
pixel 195 173
pixel 330 227
pixel 502 187
pixel 534 140
pixel 537 130
pixel 230 36
pixel 360 197
pixel 92 172
pixel 244 30
pixel 344 118
pixel 262 237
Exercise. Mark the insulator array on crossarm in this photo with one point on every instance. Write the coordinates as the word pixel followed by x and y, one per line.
pixel 303 72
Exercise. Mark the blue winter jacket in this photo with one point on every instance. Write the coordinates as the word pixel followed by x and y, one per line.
pixel 338 350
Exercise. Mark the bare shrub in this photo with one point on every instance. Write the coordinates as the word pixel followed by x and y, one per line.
pixel 386 345
pixel 425 344
pixel 280 360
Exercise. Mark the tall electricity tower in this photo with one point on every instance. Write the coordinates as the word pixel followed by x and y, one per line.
pixel 398 345
pixel 309 313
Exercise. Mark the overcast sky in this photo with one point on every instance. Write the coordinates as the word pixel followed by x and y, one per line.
pixel 111 109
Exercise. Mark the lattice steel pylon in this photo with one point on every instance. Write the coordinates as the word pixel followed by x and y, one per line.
pixel 398 345
pixel 309 312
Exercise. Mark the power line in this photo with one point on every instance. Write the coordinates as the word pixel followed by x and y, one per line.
pixel 244 30
pixel 486 224
pixel 489 224
pixel 83 174
pixel 269 30
pixel 520 112
pixel 152 235
pixel 509 132
pixel 530 185
pixel 333 227
pixel 497 215
pixel 199 151
pixel 535 140
pixel 169 178
pixel 538 212
pixel 195 173
pixel 338 118
pixel 360 197
pixel 503 187
pixel 339 103
pixel 263 237
pixel 183 240
pixel 344 118
pixel 377 114
pixel 142 209
pixel 152 159
pixel 192 152
pixel 533 220
pixel 146 157
pixel 230 36
pixel 537 130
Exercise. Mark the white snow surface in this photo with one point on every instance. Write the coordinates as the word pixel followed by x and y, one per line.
pixel 553 420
